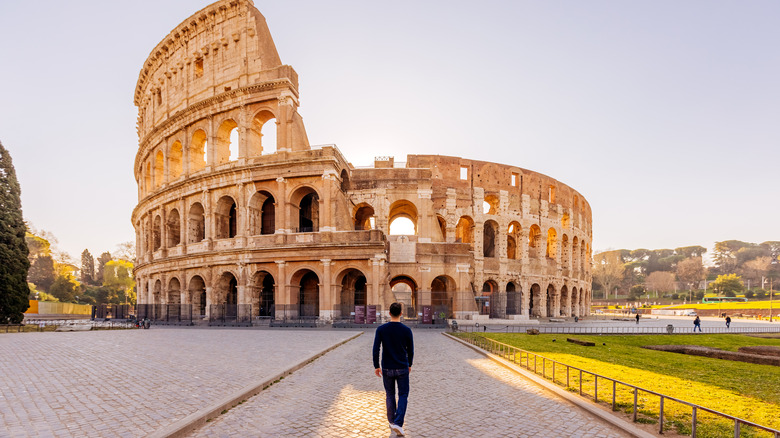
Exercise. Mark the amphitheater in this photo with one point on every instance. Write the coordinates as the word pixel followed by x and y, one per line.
pixel 239 215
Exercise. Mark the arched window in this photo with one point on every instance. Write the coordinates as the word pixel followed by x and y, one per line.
pixel 262 134
pixel 489 239
pixel 226 218
pixel 309 213
pixel 173 228
pixel 262 213
pixel 552 243
pixel 490 205
pixel 176 160
pixel 196 223
pixel 534 241
pixel 308 294
pixel 263 286
pixel 197 292
pixel 159 169
pixel 345 184
pixel 442 289
pixel 403 218
pixel 174 291
pixel 353 291
pixel 464 230
pixel 512 241
pixel 364 217
pixel 157 232
pixel 442 227
pixel 227 141
pixel 198 151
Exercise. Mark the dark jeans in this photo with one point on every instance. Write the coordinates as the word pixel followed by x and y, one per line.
pixel 391 378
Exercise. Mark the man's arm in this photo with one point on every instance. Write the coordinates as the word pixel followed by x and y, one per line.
pixel 375 354
pixel 410 349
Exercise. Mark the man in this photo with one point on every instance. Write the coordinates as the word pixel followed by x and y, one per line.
pixel 637 318
pixel 728 321
pixel 697 323
pixel 397 346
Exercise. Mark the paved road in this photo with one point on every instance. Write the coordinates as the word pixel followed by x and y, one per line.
pixel 130 383
pixel 455 392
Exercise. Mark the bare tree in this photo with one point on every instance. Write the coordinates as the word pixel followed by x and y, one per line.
pixel 608 270
pixel 757 268
pixel 660 281
pixel 691 271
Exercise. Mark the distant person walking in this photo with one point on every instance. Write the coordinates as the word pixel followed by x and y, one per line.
pixel 697 323
pixel 637 318
pixel 397 345
pixel 728 322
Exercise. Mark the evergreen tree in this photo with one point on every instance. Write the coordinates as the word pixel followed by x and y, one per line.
pixel 13 248
pixel 87 268
pixel 42 273
pixel 102 260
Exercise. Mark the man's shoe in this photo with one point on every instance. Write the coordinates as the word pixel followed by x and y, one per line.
pixel 399 431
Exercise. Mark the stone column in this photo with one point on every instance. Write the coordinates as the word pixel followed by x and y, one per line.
pixel 424 213
pixel 327 303
pixel 281 292
pixel 183 225
pixel 281 207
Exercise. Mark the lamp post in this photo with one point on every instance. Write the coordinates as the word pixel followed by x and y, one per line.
pixel 770 299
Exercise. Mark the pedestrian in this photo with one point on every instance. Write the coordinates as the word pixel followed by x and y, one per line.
pixel 697 323
pixel 728 322
pixel 397 345
pixel 637 318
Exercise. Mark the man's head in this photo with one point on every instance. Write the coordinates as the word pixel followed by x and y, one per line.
pixel 395 310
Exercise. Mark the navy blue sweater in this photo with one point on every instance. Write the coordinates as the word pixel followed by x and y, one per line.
pixel 397 346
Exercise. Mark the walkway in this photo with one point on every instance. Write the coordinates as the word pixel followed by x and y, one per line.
pixel 455 392
pixel 131 383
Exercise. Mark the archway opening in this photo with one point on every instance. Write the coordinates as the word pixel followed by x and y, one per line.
pixel 157 233
pixel 464 231
pixel 405 292
pixel 197 293
pixel 226 218
pixel 173 228
pixel 198 151
pixel 196 224
pixel 489 239
pixel 364 217
pixel 309 296
pixel 263 288
pixel 403 218
pixel 176 160
pixel 442 291
pixel 353 294
pixel 535 303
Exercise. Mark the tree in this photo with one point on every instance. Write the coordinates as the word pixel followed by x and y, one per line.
pixel 725 254
pixel 87 268
pixel 102 260
pixel 13 247
pixel 728 285
pixel 64 289
pixel 118 279
pixel 691 271
pixel 690 251
pixel 660 281
pixel 608 270
pixel 757 268
pixel 42 272
pixel 126 251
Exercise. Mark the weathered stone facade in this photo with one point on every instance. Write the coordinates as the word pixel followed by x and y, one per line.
pixel 226 218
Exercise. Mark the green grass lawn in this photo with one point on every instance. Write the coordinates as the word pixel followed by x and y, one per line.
pixel 744 390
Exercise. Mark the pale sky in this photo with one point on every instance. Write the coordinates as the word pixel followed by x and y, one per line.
pixel 665 115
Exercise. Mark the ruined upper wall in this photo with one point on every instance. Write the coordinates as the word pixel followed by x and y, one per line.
pixel 222 47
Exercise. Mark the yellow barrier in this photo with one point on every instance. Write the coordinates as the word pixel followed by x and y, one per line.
pixel 54 308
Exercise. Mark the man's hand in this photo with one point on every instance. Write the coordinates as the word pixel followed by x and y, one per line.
pixel 410 369
pixel 378 372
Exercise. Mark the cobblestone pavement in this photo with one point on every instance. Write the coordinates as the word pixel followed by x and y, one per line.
pixel 130 383
pixel 455 392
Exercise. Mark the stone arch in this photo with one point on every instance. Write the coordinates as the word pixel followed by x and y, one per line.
pixel 402 209
pixel 551 295
pixel 575 302
pixel 489 239
pixel 487 299
pixel 306 199
pixel 442 227
pixel 552 243
pixel 535 302
pixel 513 240
pixel 225 149
pixel 514 302
pixel 176 160
pixel 197 151
pixel 565 251
pixel 157 292
pixel 565 221
pixel 196 223
pixel 534 241
pixel 491 204
pixel 226 289
pixel 258 144
pixel 442 295
pixel 354 290
pixel 345 183
pixel 404 289
pixel 157 233
pixel 173 228
pixel 464 231
pixel 263 288
pixel 364 217
pixel 226 218
pixel 196 289
pixel 308 296
pixel 148 177
pixel 159 169
pixel 262 213
pixel 565 303
pixel 575 249
pixel 174 291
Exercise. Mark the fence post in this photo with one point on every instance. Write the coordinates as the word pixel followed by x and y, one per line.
pixel 580 382
pixel 635 405
pixel 614 390
pixel 693 422
pixel 567 377
pixel 661 417
pixel 736 428
pixel 595 388
pixel 544 368
pixel 553 379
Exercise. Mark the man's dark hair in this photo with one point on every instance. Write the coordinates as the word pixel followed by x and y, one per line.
pixel 395 309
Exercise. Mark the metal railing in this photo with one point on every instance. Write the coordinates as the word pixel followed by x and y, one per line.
pixel 601 330
pixel 531 362
pixel 43 325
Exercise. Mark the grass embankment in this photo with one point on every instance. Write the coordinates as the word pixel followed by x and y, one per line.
pixel 744 390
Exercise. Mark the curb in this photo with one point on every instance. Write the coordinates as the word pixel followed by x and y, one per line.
pixel 199 418
pixel 626 426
